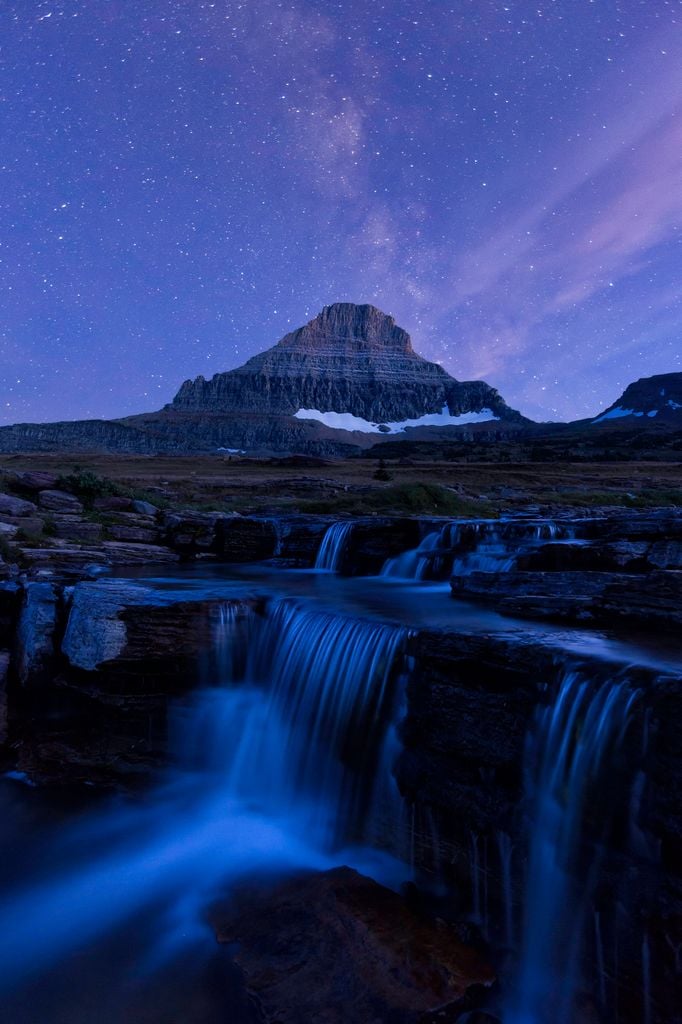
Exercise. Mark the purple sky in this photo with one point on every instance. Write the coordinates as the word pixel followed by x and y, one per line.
pixel 181 182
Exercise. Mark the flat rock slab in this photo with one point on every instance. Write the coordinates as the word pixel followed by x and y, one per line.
pixel 337 948
pixel 59 501
pixel 18 507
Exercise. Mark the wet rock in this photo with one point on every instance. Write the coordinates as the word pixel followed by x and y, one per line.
pixel 338 948
pixel 59 501
pixel 59 557
pixel 299 537
pixel 585 557
pixel 654 600
pixel 16 507
pixel 4 668
pixel 666 554
pixel 373 541
pixel 189 531
pixel 36 633
pixel 248 540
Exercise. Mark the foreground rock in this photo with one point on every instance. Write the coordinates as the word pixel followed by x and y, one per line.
pixel 337 948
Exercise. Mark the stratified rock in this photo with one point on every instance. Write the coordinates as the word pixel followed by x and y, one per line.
pixel 36 633
pixel 248 540
pixel 122 553
pixel 68 527
pixel 351 359
pixel 36 480
pixel 666 554
pixel 59 501
pixel 190 531
pixel 59 557
pixel 134 534
pixel 654 600
pixel 112 503
pixel 337 948
pixel 17 507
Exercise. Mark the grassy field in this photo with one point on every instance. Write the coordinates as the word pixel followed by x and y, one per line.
pixel 366 486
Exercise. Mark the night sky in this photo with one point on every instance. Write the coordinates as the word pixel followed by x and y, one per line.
pixel 182 182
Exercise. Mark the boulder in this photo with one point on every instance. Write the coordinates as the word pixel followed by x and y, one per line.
pixel 144 508
pixel 338 948
pixel 8 530
pixel 666 554
pixel 59 501
pixel 36 633
pixel 16 507
pixel 36 480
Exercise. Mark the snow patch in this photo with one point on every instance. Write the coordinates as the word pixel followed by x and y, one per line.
pixel 615 414
pixel 654 412
pixel 346 420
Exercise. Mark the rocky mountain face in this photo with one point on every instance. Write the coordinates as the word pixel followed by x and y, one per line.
pixel 657 399
pixel 349 359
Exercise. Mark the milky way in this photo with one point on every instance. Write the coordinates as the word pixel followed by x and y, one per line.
pixel 181 182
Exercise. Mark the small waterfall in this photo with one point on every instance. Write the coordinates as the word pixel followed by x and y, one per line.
pixel 283 763
pixel 333 546
pixel 568 764
pixel 465 546
pixel 412 565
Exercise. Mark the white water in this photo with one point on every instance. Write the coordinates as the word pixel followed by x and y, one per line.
pixel 281 769
pixel 333 546
pixel 568 764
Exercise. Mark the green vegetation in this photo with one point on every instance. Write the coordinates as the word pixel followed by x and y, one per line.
pixel 405 499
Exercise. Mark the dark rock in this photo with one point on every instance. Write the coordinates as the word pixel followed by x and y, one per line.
pixel 4 668
pixel 113 503
pixel 59 501
pixel 654 600
pixel 134 534
pixel 248 540
pixel 666 554
pixel 339 948
pixel 374 540
pixel 36 634
pixel 16 507
pixel 36 481
pixel 75 528
pixel 190 531
pixel 123 553
pixel 59 557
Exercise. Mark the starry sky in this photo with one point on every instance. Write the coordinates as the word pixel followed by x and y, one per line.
pixel 182 182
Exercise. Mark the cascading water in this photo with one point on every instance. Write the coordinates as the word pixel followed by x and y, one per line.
pixel 568 762
pixel 333 546
pixel 282 767
pixel 465 546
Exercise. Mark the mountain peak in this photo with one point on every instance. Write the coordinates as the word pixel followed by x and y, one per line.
pixel 352 327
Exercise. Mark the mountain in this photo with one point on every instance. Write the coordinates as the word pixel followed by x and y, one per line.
pixel 350 360
pixel 332 387
pixel 656 400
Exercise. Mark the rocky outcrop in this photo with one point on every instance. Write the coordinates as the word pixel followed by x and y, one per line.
pixel 339 948
pixel 649 400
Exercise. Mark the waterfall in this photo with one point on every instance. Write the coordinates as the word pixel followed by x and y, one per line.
pixel 283 763
pixel 465 546
pixel 568 762
pixel 333 546
pixel 412 565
